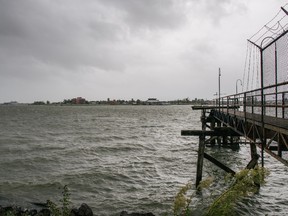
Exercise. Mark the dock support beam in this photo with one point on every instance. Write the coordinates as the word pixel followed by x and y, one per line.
pixel 200 159
pixel 219 164
pixel 212 127
pixel 201 149
pixel 253 150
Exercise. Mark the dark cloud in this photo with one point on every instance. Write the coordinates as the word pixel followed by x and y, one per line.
pixel 71 34
pixel 41 30
pixel 120 46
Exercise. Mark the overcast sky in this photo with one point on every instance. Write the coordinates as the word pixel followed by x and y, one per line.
pixel 122 49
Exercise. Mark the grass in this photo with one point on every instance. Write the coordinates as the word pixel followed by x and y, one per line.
pixel 63 209
pixel 244 183
pixel 183 200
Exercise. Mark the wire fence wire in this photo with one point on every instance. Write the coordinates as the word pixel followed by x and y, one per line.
pixel 267 61
pixel 272 40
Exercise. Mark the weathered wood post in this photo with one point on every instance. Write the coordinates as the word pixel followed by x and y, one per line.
pixel 253 149
pixel 225 138
pixel 200 159
pixel 201 149
pixel 212 125
pixel 218 137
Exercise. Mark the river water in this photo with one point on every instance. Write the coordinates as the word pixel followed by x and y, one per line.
pixel 117 158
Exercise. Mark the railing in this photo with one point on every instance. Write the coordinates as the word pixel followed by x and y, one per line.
pixel 271 100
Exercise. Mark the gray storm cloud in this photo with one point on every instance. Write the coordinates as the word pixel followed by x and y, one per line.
pixel 115 47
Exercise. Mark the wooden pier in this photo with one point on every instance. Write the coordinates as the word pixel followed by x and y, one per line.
pixel 219 134
pixel 259 115
pixel 225 125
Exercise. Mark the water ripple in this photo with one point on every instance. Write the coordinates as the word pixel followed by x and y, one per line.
pixel 117 158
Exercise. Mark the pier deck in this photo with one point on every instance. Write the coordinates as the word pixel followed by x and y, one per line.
pixel 259 115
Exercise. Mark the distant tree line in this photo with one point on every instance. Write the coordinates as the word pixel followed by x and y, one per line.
pixel 83 101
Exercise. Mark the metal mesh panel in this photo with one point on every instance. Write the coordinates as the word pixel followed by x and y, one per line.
pixel 276 53
pixel 282 62
pixel 282 59
pixel 285 102
pixel 275 72
pixel 269 65
pixel 268 51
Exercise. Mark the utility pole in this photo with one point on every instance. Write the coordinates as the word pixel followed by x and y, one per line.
pixel 219 92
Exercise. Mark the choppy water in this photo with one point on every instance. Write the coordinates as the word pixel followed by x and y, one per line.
pixel 117 158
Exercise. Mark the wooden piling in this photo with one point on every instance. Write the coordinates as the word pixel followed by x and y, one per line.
pixel 219 132
pixel 253 150
pixel 219 138
pixel 201 149
pixel 212 126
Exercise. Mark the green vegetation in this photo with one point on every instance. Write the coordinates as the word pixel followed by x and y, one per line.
pixel 83 101
pixel 38 103
pixel 245 183
pixel 64 209
pixel 182 200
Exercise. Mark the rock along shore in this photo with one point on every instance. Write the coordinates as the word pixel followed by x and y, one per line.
pixel 83 210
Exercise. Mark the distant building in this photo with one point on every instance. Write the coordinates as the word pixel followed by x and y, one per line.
pixel 78 100
pixel 11 103
pixel 152 101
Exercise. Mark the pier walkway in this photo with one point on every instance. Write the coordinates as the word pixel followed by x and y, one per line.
pixel 259 116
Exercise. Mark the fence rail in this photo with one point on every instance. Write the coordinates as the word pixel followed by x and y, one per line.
pixel 274 101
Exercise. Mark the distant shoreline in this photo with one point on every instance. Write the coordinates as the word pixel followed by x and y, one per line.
pixel 102 103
